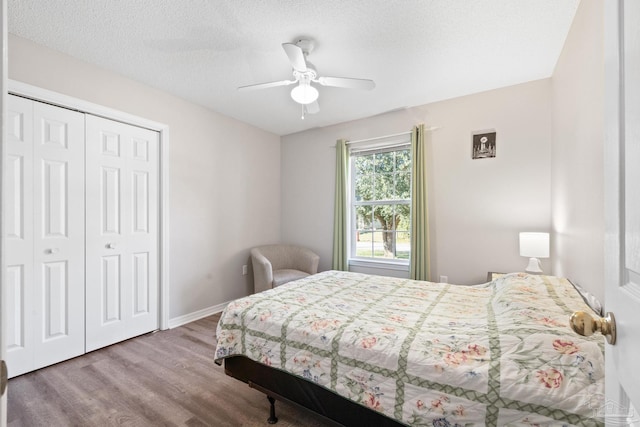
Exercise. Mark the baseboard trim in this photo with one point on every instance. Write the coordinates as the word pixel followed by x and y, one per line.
pixel 196 315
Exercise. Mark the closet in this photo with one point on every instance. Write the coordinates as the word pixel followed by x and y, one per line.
pixel 81 220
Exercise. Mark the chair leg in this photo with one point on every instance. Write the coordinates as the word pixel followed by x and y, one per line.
pixel 272 411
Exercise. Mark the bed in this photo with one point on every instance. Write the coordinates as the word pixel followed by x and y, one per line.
pixel 371 350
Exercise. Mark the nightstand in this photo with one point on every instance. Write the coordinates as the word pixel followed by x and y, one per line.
pixel 492 275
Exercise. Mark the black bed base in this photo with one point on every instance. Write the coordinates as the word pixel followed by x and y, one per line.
pixel 277 384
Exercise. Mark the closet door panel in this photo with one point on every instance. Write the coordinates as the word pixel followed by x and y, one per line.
pixel 19 335
pixel 58 233
pixel 55 199
pixel 110 191
pixel 122 231
pixel 15 197
pixel 55 288
pixel 141 284
pixel 110 290
pixel 18 214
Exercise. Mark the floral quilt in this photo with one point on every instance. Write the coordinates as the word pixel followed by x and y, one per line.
pixel 496 354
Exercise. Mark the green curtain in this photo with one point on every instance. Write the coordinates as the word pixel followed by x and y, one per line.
pixel 419 262
pixel 340 216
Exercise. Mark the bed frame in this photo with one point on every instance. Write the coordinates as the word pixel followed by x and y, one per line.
pixel 277 384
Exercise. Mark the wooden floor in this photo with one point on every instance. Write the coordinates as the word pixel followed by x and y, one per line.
pixel 167 378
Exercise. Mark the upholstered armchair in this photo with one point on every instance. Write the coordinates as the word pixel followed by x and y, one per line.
pixel 274 265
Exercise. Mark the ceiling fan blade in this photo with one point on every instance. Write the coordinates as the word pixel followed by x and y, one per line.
pixel 266 85
pixel 346 82
pixel 296 56
pixel 313 107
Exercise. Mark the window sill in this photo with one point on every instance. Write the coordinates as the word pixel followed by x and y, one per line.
pixel 384 265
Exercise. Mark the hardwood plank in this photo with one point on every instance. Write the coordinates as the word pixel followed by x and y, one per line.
pixel 166 378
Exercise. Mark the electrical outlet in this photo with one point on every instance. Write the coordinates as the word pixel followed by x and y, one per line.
pixel 244 270
pixel 444 279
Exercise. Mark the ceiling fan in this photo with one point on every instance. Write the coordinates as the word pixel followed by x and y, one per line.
pixel 304 74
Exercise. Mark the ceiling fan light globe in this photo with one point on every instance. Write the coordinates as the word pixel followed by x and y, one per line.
pixel 304 94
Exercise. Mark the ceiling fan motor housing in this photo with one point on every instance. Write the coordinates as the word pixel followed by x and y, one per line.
pixel 306 45
pixel 307 76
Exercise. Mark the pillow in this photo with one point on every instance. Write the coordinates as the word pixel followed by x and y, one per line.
pixel 588 298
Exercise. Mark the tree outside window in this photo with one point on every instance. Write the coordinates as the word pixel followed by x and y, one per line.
pixel 381 200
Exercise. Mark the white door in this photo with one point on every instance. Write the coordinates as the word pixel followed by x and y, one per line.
pixel 622 208
pixel 3 133
pixel 44 214
pixel 122 231
pixel 58 210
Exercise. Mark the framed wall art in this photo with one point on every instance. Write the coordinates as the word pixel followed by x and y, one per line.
pixel 483 144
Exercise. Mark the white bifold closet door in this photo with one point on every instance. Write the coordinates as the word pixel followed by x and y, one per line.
pixel 44 223
pixel 121 231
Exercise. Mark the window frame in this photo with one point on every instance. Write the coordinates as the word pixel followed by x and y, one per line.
pixel 363 149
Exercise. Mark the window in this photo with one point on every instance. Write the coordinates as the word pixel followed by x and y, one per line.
pixel 381 203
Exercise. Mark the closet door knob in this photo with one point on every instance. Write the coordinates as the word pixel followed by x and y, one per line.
pixel 51 251
pixel 111 245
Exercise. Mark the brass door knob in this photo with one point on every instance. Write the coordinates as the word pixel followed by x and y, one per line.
pixel 583 324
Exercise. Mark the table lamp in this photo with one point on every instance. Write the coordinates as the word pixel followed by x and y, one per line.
pixel 534 246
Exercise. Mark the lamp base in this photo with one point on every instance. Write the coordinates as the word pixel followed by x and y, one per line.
pixel 534 266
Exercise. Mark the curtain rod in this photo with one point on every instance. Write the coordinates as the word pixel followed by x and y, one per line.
pixel 379 137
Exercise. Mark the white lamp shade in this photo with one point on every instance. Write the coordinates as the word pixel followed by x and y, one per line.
pixel 534 245
pixel 304 93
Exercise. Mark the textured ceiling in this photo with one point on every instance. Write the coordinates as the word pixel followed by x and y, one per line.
pixel 417 51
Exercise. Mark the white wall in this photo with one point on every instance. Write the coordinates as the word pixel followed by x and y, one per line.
pixel 577 153
pixel 477 207
pixel 234 186
pixel 224 174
